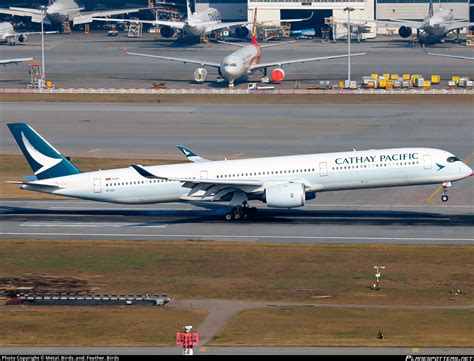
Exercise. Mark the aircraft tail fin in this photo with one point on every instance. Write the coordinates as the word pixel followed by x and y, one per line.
pixel 430 8
pixel 45 160
pixel 254 29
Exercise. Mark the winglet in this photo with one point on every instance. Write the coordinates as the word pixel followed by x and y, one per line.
pixel 143 172
pixel 190 155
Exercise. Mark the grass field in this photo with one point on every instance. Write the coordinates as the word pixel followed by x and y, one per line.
pixel 15 166
pixel 93 326
pixel 309 326
pixel 302 273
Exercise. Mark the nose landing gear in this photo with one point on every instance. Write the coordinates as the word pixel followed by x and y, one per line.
pixel 444 194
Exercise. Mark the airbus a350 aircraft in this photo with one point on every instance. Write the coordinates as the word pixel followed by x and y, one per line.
pixel 61 10
pixel 434 28
pixel 198 23
pixel 242 62
pixel 281 182
pixel 10 36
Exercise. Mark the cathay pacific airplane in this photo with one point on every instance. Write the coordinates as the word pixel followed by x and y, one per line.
pixel 280 182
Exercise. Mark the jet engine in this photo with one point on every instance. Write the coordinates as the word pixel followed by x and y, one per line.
pixel 167 31
pixel 242 32
pixel 278 75
pixel 404 31
pixel 200 75
pixel 285 195
pixel 22 38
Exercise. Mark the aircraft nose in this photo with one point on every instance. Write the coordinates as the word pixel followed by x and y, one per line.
pixel 468 170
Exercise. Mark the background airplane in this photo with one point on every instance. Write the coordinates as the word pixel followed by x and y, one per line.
pixel 434 28
pixel 280 182
pixel 14 60
pixel 10 36
pixel 60 11
pixel 242 62
pixel 198 23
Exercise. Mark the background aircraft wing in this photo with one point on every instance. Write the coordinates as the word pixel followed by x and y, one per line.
pixel 35 14
pixel 182 60
pixel 11 61
pixel 223 25
pixel 279 63
pixel 407 23
pixel 172 24
pixel 454 25
pixel 193 157
pixel 86 17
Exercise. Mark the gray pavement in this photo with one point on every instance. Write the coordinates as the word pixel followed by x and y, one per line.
pixel 95 60
pixel 238 131
pixel 318 223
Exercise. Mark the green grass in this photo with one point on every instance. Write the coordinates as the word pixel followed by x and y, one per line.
pixel 309 326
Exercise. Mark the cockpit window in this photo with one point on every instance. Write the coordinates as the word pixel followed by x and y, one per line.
pixel 452 159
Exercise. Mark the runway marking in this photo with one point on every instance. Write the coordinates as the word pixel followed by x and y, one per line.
pixel 437 190
pixel 115 224
pixel 94 150
pixel 220 236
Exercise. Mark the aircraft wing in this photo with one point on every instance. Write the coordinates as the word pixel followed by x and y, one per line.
pixel 190 155
pixel 182 60
pixel 35 14
pixel 280 63
pixel 11 61
pixel 454 25
pixel 86 16
pixel 172 24
pixel 223 25
pixel 206 189
pixel 407 23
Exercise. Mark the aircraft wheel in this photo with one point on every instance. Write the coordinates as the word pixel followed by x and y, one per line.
pixel 444 198
pixel 228 217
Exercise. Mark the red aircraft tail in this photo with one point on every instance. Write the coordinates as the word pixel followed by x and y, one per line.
pixel 254 30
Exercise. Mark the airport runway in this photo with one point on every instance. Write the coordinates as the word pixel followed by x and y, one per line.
pixel 95 60
pixel 238 131
pixel 317 223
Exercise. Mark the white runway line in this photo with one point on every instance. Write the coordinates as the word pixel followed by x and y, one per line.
pixel 115 224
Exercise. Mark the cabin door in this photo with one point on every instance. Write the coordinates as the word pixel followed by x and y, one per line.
pixel 97 185
pixel 323 169
pixel 427 161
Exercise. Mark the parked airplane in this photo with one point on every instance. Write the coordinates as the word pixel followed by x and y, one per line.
pixel 61 10
pixel 434 28
pixel 14 61
pixel 242 62
pixel 198 23
pixel 10 36
pixel 280 182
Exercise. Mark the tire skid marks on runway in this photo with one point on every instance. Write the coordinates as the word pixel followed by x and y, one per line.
pixel 92 224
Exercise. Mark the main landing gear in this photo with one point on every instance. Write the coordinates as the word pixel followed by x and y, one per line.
pixel 241 212
pixel 444 194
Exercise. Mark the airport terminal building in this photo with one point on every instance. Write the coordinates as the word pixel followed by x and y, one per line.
pixel 364 9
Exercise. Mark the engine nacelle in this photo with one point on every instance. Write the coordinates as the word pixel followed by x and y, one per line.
pixel 22 38
pixel 242 32
pixel 200 75
pixel 167 31
pixel 286 195
pixel 404 31
pixel 278 75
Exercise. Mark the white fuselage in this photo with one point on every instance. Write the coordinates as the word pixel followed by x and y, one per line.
pixel 318 172
pixel 435 26
pixel 197 24
pixel 6 31
pixel 61 10
pixel 240 62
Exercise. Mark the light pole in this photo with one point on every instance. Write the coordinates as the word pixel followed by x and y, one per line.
pixel 43 75
pixel 349 10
